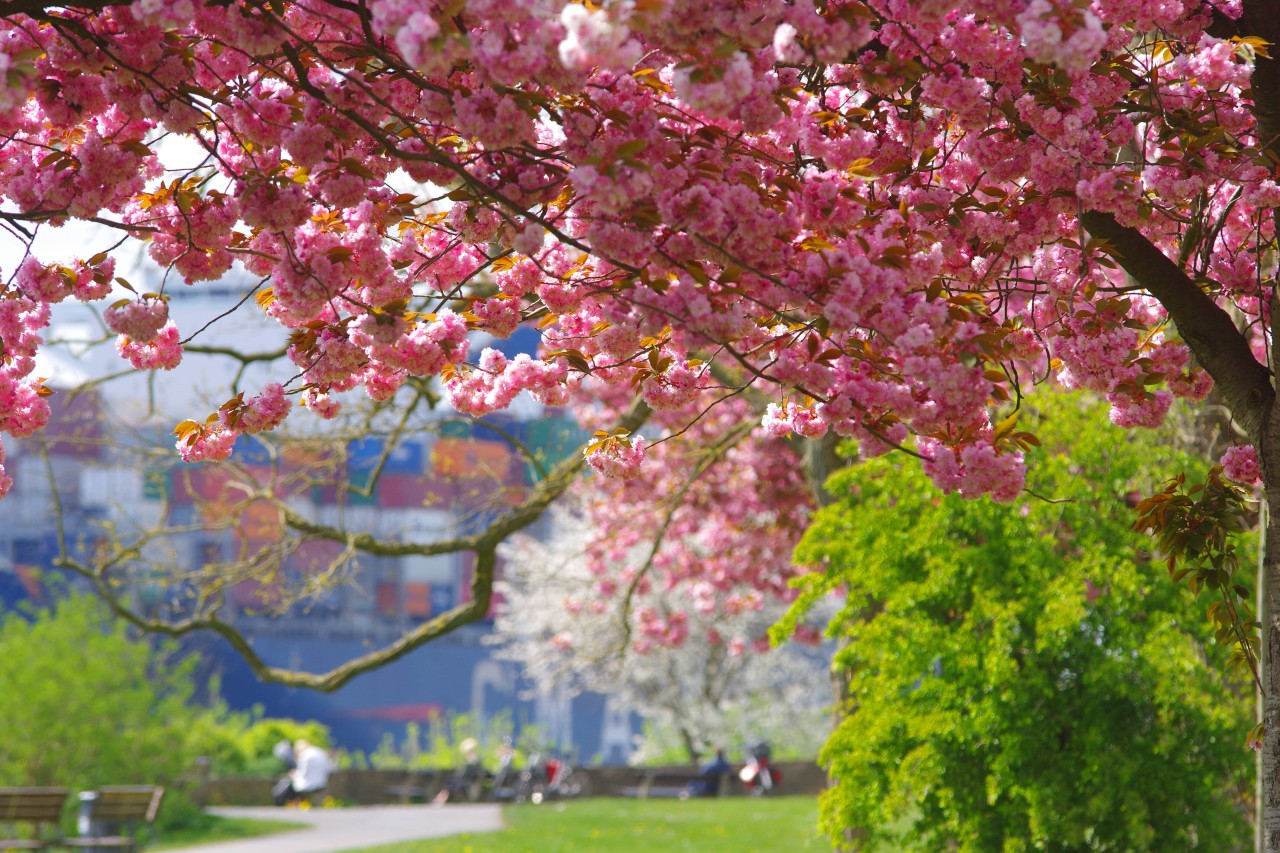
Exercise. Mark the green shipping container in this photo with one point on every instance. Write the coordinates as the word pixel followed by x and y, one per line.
pixel 551 441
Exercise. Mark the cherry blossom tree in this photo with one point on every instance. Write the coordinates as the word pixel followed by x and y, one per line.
pixel 696 674
pixel 888 219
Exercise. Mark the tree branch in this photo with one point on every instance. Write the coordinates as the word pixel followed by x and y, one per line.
pixel 477 608
pixel 1261 18
pixel 1208 330
pixel 483 544
pixel 38 10
pixel 238 355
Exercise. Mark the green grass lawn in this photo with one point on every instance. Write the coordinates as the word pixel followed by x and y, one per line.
pixel 734 825
pixel 210 828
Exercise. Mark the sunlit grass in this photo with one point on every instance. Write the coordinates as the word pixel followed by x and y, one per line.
pixel 732 825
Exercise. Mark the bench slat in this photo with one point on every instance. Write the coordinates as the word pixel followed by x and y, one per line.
pixel 127 803
pixel 32 805
pixel 124 841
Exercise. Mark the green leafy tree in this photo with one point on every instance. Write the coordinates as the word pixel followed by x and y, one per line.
pixel 83 704
pixel 438 745
pixel 242 744
pixel 1026 677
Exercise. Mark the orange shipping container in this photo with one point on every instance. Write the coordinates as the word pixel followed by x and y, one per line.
pixel 466 457
pixel 417 599
pixel 261 523
pixel 309 458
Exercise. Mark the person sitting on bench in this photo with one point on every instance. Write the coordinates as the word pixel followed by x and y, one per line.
pixel 713 775
pixel 309 777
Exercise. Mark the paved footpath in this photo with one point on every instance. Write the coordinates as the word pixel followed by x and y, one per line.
pixel 338 830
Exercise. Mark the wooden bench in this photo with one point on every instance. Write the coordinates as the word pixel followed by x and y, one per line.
pixel 418 786
pixel 33 813
pixel 667 782
pixel 120 817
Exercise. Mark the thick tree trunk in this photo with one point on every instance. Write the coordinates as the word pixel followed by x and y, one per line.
pixel 820 462
pixel 1269 763
pixel 691 747
pixel 1261 18
pixel 1263 675
pixel 1268 789
pixel 1248 390
pixel 1269 769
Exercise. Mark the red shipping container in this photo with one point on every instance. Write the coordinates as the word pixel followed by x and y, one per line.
pixel 255 596
pixel 243 479
pixel 314 556
pixel 197 483
pixel 281 482
pixel 310 458
pixel 415 490
pixel 334 496
pixel 75 425
pixel 221 491
pixel 388 598
pixel 417 712
pixel 488 494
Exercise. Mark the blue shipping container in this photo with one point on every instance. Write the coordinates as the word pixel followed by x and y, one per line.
pixel 405 458
pixel 249 450
pixel 442 598
pixel 525 340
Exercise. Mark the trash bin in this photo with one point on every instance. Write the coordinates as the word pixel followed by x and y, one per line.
pixel 87 826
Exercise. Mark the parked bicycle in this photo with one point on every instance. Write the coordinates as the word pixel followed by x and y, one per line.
pixel 550 779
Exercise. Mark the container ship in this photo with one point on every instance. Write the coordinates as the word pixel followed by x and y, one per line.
pixel 445 478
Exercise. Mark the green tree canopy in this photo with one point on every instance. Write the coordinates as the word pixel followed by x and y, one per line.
pixel 1026 677
pixel 85 705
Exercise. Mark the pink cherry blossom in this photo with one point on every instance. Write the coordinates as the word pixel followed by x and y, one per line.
pixel 264 412
pixel 6 482
pixel 1240 463
pixel 321 404
pixel 1063 34
pixel 618 458
pixel 593 37
pixel 139 320
pixel 162 352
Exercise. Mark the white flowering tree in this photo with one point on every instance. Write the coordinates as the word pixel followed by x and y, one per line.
pixel 710 686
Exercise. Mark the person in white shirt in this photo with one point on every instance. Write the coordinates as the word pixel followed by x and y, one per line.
pixel 311 774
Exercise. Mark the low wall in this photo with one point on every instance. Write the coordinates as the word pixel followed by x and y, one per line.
pixel 798 777
pixel 374 787
pixel 357 787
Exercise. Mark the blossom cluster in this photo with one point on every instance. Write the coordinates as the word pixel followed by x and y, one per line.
pixel 1240 463
pixel 618 458
pixel 211 445
pixel 874 219
pixel 24 314
pixel 978 469
pixel 162 352
pixel 729 525
pixel 214 441
pixel 138 320
pixel 498 380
